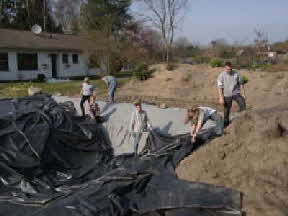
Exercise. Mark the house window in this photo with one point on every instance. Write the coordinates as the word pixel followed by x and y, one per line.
pixel 27 61
pixel 65 59
pixel 75 59
pixel 4 62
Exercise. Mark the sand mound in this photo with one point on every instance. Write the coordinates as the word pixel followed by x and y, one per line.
pixel 251 157
pixel 196 85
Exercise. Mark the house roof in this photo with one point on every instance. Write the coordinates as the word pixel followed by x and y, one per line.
pixel 26 40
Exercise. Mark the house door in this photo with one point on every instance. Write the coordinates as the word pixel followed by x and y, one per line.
pixel 54 65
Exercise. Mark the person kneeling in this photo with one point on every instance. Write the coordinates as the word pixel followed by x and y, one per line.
pixel 198 116
pixel 94 110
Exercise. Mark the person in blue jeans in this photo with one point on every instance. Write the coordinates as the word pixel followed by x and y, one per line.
pixel 111 82
pixel 139 124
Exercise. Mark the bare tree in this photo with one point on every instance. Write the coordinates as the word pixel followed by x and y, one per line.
pixel 261 40
pixel 165 16
pixel 261 46
pixel 66 12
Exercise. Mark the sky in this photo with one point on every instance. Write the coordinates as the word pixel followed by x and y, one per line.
pixel 233 20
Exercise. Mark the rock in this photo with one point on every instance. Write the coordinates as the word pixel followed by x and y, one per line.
pixel 58 94
pixel 215 175
pixel 163 106
pixel 283 126
pixel 33 91
pixel 222 155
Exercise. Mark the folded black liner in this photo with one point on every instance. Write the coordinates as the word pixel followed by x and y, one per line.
pixel 53 162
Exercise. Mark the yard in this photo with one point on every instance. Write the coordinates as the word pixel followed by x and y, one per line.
pixel 8 90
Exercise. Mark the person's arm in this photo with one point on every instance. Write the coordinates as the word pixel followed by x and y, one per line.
pixel 198 127
pixel 242 89
pixel 220 87
pixel 243 93
pixel 193 127
pixel 199 124
pixel 149 125
pixel 132 123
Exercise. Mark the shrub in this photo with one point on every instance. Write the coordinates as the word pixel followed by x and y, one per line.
pixel 216 62
pixel 142 72
pixel 170 67
pixel 40 78
pixel 201 59
pixel 245 80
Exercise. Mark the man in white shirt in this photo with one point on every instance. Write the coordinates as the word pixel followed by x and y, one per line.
pixel 139 123
pixel 86 92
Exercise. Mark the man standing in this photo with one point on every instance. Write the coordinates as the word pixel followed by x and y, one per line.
pixel 139 124
pixel 112 86
pixel 230 87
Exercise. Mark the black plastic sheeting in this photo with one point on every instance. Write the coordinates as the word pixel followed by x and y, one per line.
pixel 55 163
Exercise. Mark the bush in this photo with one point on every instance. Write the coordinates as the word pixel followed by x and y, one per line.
pixel 201 59
pixel 171 67
pixel 216 62
pixel 40 78
pixel 142 72
pixel 244 80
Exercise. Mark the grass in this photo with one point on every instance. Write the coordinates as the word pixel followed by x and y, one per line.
pixel 12 90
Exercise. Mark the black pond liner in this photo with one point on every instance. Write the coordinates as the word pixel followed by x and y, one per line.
pixel 53 163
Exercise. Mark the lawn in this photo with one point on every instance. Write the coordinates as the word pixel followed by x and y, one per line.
pixel 8 90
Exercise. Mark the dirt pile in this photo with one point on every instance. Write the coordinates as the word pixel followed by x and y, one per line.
pixel 196 85
pixel 251 157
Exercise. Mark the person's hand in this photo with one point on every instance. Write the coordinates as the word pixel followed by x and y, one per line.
pixel 221 100
pixel 193 138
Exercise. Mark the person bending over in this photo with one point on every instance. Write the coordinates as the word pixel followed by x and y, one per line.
pixel 198 116
pixel 230 86
pixel 139 123
pixel 111 82
pixel 86 92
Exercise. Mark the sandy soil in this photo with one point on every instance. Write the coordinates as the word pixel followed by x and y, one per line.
pixel 189 85
pixel 252 155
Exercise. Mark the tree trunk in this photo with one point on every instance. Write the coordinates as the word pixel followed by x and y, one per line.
pixel 168 56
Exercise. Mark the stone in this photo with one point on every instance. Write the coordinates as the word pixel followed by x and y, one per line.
pixel 163 106
pixel 34 91
pixel 283 126
pixel 58 94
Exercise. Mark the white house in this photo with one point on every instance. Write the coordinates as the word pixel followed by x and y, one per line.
pixel 24 55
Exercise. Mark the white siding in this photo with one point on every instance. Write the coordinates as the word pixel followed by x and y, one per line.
pixel 45 67
pixel 70 69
